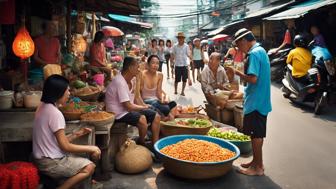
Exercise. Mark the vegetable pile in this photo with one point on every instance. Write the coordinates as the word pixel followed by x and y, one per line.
pixel 190 122
pixel 228 135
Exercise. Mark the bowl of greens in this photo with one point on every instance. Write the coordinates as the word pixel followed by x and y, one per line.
pixel 182 126
pixel 243 142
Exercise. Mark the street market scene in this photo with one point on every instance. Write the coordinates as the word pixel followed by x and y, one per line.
pixel 155 94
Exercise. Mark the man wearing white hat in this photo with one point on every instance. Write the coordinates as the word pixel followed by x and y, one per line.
pixel 180 54
pixel 257 100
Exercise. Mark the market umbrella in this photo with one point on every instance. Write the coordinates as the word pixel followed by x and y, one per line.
pixel 111 31
pixel 220 37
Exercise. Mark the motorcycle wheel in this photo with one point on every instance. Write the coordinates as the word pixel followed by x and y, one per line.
pixel 286 93
pixel 319 104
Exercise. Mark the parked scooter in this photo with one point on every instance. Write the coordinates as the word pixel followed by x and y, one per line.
pixel 318 85
pixel 278 63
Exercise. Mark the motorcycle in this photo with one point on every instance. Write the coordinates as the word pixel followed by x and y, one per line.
pixel 319 81
pixel 278 63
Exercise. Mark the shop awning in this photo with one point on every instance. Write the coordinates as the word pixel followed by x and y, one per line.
pixel 124 7
pixel 131 20
pixel 267 10
pixel 222 28
pixel 301 9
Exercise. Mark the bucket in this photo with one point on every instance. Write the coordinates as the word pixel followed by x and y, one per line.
pixel 227 116
pixel 6 99
pixel 99 79
pixel 32 99
pixel 238 116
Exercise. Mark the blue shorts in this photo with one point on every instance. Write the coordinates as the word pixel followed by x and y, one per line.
pixel 162 109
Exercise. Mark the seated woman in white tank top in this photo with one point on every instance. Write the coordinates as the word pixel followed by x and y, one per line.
pixel 151 89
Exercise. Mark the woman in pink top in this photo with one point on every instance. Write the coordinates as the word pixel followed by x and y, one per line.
pixel 151 89
pixel 51 145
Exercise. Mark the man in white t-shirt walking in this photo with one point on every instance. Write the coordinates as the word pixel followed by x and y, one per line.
pixel 179 56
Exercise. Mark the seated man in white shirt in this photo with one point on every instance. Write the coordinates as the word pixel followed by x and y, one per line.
pixel 120 100
pixel 214 75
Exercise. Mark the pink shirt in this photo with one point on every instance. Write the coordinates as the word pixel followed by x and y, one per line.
pixel 48 120
pixel 118 92
pixel 48 49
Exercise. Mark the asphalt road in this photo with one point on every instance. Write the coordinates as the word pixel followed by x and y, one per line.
pixel 299 152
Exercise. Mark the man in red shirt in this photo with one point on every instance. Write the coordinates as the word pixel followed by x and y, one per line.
pixel 48 48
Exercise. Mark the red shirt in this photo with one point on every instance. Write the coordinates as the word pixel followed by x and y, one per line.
pixel 97 51
pixel 48 49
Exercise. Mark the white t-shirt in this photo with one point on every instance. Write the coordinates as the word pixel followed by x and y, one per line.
pixel 48 120
pixel 181 54
pixel 118 92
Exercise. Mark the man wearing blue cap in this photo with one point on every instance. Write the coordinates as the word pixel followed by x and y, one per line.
pixel 257 99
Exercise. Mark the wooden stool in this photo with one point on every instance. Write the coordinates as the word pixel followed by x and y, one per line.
pixel 118 138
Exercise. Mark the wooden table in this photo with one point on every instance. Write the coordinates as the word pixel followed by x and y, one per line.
pixel 18 127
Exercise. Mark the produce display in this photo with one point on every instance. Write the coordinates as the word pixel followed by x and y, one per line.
pixel 86 90
pixel 76 107
pixel 228 135
pixel 197 151
pixel 96 116
pixel 190 122
pixel 187 109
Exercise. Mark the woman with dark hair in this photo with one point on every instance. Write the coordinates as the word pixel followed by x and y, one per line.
pixel 151 89
pixel 51 145
pixel 167 53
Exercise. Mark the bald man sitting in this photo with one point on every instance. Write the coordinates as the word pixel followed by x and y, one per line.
pixel 214 76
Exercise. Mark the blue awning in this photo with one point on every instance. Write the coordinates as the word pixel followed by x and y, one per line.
pixel 301 9
pixel 129 19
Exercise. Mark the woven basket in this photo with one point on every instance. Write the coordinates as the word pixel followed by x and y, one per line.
pixel 106 121
pixel 89 97
pixel 71 116
pixel 167 129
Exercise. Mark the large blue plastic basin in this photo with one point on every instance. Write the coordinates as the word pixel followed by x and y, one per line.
pixel 195 170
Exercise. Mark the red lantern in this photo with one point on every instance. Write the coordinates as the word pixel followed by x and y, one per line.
pixel 23 45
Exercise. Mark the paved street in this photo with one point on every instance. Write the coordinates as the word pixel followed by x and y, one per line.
pixel 299 152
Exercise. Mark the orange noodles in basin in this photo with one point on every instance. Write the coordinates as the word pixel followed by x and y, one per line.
pixel 197 151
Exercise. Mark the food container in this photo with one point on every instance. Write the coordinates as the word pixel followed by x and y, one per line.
pixel 18 99
pixel 99 79
pixel 227 116
pixel 31 99
pixel 245 147
pixel 230 104
pixel 168 129
pixel 238 116
pixel 6 99
pixel 195 170
pixel 107 119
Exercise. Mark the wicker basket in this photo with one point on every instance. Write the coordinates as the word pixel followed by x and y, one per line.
pixel 167 129
pixel 89 97
pixel 71 116
pixel 103 122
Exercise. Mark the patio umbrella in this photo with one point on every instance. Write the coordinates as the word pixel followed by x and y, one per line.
pixel 111 31
pixel 220 37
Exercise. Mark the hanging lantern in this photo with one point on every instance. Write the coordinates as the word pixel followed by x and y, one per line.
pixel 23 45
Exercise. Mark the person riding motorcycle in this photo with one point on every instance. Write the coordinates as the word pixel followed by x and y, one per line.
pixel 300 58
